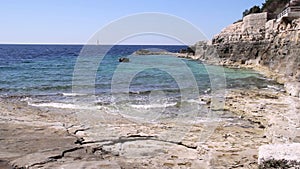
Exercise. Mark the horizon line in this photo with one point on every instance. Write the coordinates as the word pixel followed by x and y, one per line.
pixel 89 44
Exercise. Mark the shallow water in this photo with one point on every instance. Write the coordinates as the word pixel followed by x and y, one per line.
pixel 43 75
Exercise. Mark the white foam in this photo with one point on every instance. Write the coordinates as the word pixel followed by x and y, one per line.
pixel 208 120
pixel 26 99
pixel 275 88
pixel 196 101
pixel 73 94
pixel 149 106
pixel 64 106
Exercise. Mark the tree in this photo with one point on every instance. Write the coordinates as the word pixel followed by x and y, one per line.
pixel 274 6
pixel 254 9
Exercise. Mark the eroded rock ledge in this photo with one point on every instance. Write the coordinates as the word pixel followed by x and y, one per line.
pixel 270 46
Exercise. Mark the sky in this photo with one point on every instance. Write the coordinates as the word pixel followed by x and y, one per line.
pixel 76 21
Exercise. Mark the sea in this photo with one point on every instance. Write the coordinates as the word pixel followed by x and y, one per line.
pixel 91 77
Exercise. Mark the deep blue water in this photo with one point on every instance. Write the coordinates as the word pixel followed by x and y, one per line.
pixel 48 69
pixel 45 73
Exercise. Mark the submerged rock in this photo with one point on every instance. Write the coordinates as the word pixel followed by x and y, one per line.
pixel 123 59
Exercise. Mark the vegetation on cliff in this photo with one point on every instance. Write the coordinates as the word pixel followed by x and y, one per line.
pixel 254 9
pixel 273 7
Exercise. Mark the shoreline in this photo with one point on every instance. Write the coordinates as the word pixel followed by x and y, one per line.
pixel 44 137
pixel 279 78
pixel 234 142
pixel 67 137
pixel 282 128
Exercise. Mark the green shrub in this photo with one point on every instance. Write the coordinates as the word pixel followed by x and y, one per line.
pixel 273 7
pixel 254 9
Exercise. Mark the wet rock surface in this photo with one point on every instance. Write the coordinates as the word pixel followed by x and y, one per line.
pixel 64 138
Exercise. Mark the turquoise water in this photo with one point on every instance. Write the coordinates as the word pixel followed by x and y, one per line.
pixel 44 74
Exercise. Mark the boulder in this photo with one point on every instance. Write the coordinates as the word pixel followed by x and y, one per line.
pixel 293 88
pixel 123 59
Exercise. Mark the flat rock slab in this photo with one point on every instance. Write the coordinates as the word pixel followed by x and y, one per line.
pixel 289 154
pixel 91 165
pixel 5 165
pixel 24 145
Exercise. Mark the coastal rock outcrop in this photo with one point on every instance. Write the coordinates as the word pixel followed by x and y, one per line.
pixel 152 51
pixel 268 45
pixel 293 88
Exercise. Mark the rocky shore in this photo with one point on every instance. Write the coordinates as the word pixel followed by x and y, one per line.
pixel 272 48
pixel 257 128
pixel 269 46
pixel 34 137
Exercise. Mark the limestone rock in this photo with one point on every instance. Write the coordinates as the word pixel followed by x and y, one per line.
pixel 293 88
pixel 271 45
pixel 286 155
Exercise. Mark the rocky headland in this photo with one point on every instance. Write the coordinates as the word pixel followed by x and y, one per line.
pixel 270 46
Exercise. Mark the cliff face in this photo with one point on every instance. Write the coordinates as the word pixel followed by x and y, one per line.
pixel 271 45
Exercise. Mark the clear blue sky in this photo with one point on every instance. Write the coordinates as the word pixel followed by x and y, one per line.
pixel 75 21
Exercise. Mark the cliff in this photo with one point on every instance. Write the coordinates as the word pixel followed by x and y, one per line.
pixel 268 45
pixel 272 47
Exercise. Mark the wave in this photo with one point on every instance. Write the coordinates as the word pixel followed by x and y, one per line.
pixel 276 88
pixel 151 106
pixel 208 119
pixel 195 101
pixel 73 94
pixel 65 106
pixel 145 92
